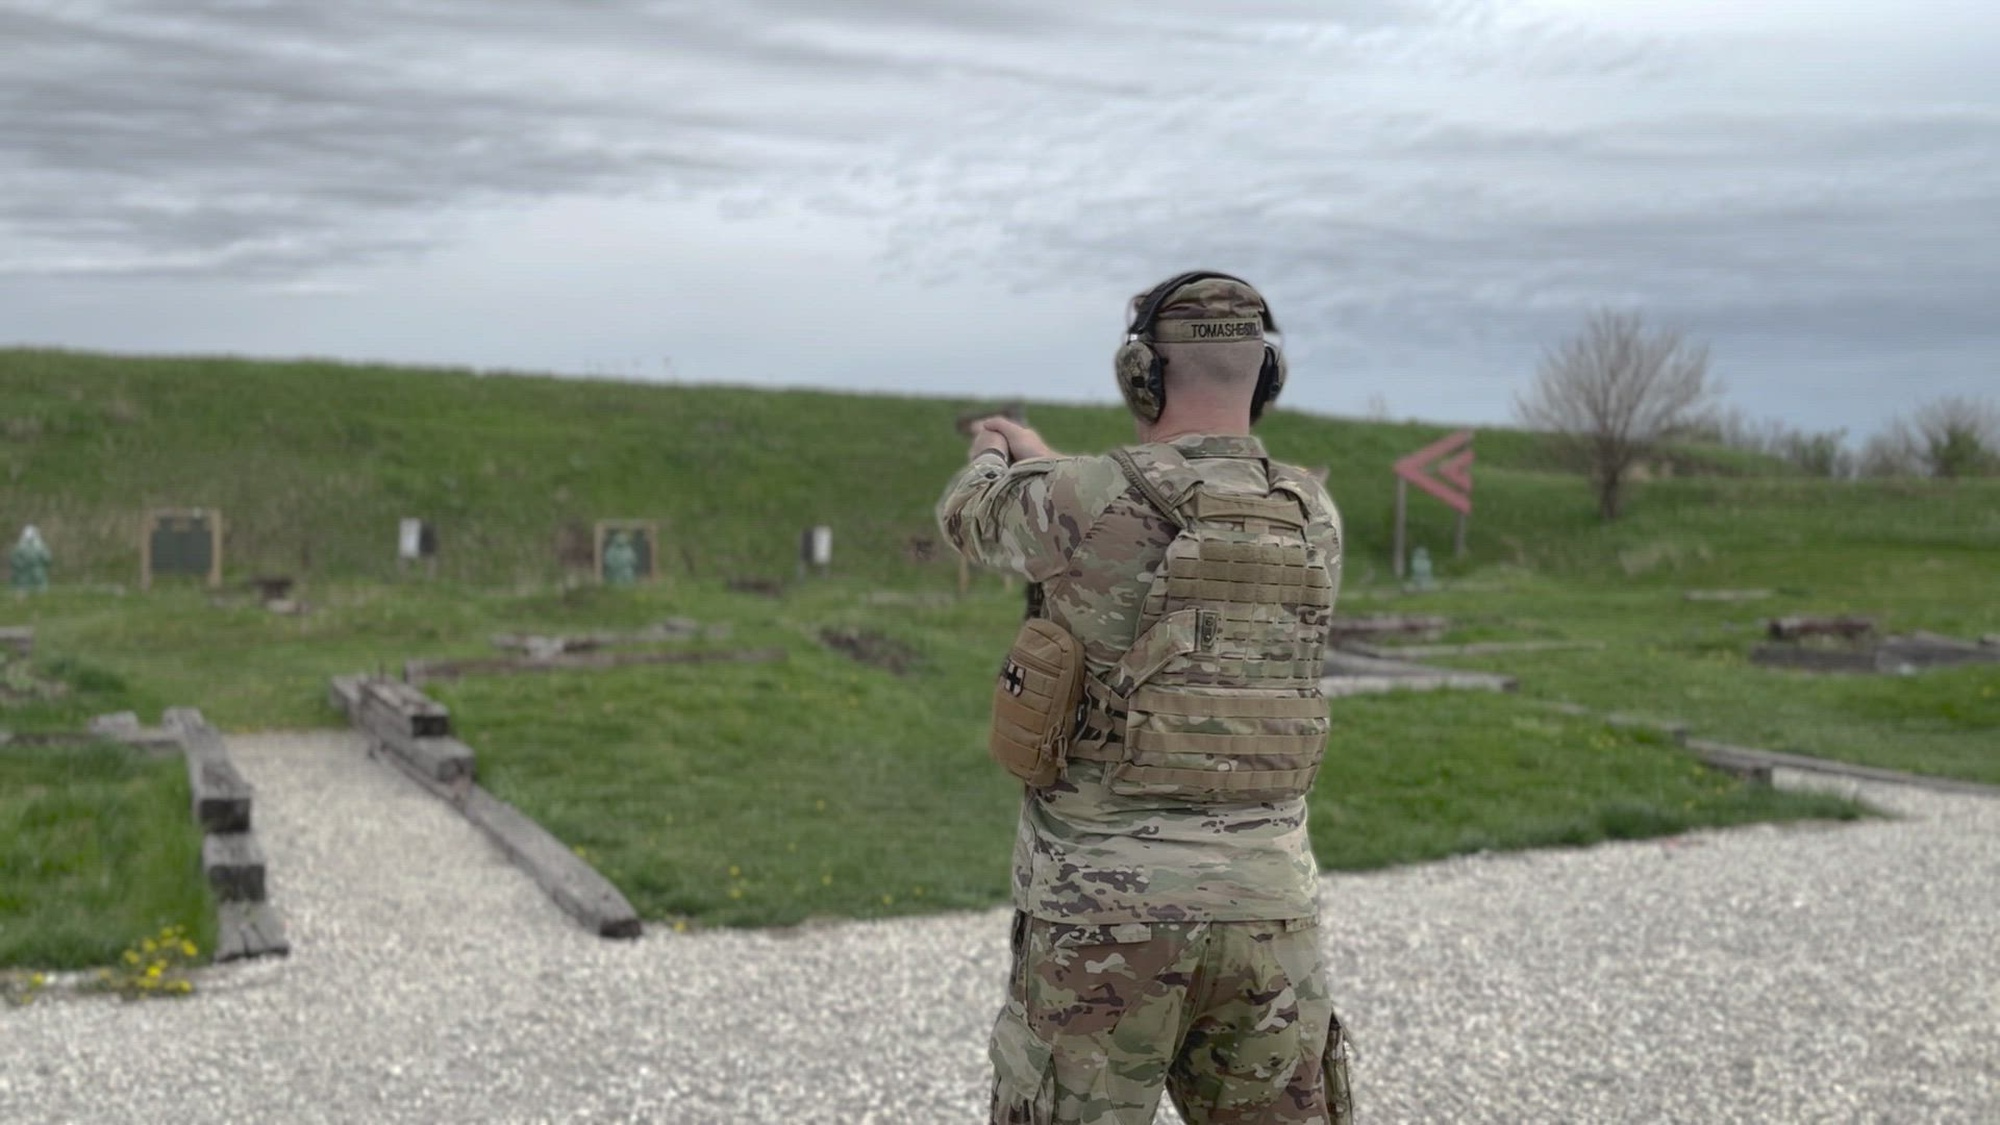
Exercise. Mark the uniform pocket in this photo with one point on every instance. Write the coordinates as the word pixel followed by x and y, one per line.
pixel 1024 1081
pixel 1333 1069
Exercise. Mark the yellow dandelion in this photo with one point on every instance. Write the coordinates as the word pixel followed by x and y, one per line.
pixel 827 879
pixel 820 805
pixel 153 971
pixel 38 980
pixel 888 900
pixel 188 948
pixel 735 872
pixel 131 957
pixel 736 892
pixel 681 926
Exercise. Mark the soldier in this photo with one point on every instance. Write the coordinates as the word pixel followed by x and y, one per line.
pixel 1162 706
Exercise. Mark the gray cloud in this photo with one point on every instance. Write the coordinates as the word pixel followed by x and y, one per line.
pixel 233 137
pixel 1412 180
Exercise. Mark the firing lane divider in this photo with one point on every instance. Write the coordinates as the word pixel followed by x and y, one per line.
pixel 419 672
pixel 1758 766
pixel 231 858
pixel 1348 672
pixel 412 732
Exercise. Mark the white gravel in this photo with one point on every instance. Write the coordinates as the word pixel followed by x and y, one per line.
pixel 1756 975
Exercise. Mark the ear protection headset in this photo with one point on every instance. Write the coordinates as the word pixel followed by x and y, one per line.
pixel 1141 371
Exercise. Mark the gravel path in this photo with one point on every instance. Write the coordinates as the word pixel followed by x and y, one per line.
pixel 1757 975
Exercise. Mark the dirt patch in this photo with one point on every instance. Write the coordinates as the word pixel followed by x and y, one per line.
pixel 871 648
pixel 766 587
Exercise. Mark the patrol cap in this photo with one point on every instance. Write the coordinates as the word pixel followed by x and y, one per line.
pixel 1207 310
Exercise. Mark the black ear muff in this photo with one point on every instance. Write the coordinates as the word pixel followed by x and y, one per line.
pixel 1270 376
pixel 1142 379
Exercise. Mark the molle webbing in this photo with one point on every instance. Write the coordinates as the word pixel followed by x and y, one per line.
pixel 1218 698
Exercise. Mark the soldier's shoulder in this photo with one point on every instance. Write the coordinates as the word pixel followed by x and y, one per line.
pixel 1089 481
pixel 1310 487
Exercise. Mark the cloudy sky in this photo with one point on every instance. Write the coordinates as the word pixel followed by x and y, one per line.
pixel 957 196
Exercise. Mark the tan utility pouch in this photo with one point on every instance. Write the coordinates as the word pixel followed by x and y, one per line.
pixel 1035 703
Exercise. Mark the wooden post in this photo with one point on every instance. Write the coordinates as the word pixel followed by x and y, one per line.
pixel 964 576
pixel 1458 537
pixel 215 552
pixel 1402 513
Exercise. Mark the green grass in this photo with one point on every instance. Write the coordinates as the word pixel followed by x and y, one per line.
pixel 97 853
pixel 1412 777
pixel 312 464
pixel 1665 658
pixel 771 795
pixel 753 794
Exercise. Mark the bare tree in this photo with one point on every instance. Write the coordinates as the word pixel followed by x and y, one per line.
pixel 1821 453
pixel 1959 436
pixel 1614 392
pixel 1892 452
pixel 1950 437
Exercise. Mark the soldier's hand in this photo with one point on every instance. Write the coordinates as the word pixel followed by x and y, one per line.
pixel 984 439
pixel 1022 442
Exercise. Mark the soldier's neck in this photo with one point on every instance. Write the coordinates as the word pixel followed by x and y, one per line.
pixel 1198 417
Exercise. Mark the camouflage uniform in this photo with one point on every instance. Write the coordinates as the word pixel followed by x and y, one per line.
pixel 1155 942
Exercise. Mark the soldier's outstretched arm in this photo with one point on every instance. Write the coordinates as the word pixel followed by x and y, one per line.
pixel 1004 516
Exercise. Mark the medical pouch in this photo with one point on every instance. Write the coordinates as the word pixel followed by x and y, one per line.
pixel 1037 702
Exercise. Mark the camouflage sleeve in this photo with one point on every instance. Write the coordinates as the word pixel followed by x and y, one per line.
pixel 1027 518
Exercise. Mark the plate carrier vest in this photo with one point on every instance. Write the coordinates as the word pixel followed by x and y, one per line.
pixel 1218 699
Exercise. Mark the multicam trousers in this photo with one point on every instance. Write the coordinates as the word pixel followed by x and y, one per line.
pixel 1232 1019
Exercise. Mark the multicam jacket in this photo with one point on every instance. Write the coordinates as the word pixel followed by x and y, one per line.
pixel 1081 852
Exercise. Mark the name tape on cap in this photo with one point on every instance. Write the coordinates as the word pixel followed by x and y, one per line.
pixel 1208 331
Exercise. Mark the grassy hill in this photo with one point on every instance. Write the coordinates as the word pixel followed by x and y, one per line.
pixel 313 464
pixel 769 793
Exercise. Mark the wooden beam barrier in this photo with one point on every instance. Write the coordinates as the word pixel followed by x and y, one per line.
pixel 398 710
pixel 1490 648
pixel 1352 674
pixel 249 929
pixel 234 865
pixel 343 694
pixel 232 861
pixel 220 795
pixel 415 728
pixel 1773 759
pixel 1848 627
pixel 18 639
pixel 574 885
pixel 1388 624
pixel 420 672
